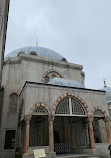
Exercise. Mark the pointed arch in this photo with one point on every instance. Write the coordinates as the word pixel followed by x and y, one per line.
pixel 40 104
pixel 100 109
pixel 69 94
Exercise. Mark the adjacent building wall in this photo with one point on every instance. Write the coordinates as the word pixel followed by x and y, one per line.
pixel 4 8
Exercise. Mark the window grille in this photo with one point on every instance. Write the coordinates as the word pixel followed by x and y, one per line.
pixel 40 111
pixel 63 107
pixel 10 139
pixel 70 106
pixel 13 101
pixel 77 108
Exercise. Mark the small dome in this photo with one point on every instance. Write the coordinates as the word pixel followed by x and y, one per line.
pixel 108 93
pixel 66 82
pixel 39 51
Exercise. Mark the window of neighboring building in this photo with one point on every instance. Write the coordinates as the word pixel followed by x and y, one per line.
pixel 10 139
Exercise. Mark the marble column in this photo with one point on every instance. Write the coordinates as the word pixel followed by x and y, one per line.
pixel 26 136
pixel 106 120
pixel 91 132
pixel 51 134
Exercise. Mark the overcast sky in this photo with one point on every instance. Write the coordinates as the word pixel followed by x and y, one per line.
pixel 80 30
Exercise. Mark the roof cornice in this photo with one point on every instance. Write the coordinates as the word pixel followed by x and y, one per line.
pixel 14 60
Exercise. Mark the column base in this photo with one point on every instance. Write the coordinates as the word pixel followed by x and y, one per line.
pixel 51 155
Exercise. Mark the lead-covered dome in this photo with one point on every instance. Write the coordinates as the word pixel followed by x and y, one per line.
pixel 66 82
pixel 108 93
pixel 39 51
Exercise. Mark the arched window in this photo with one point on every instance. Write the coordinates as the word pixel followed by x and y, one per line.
pixel 13 102
pixel 20 53
pixel 33 53
pixel 64 60
pixel 40 111
pixel 50 75
pixel 70 106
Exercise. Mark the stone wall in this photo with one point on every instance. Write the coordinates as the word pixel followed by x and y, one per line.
pixel 49 95
pixel 31 68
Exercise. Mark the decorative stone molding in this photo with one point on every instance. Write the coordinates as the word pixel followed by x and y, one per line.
pixel 38 105
pixel 72 95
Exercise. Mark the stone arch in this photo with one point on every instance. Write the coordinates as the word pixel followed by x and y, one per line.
pixel 98 108
pixel 14 92
pixel 72 95
pixel 51 71
pixel 40 104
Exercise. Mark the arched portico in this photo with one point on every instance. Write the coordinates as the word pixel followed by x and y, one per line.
pixel 36 127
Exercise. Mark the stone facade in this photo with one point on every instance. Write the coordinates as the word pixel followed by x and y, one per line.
pixel 36 114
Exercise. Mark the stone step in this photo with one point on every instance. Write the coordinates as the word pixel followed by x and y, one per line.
pixel 75 156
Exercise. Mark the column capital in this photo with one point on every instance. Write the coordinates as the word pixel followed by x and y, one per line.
pixel 27 119
pixel 106 120
pixel 51 118
pixel 90 119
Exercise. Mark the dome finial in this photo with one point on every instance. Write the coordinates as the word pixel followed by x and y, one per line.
pixel 37 42
pixel 104 83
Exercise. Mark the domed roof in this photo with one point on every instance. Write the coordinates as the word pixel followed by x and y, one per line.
pixel 39 51
pixel 108 93
pixel 66 82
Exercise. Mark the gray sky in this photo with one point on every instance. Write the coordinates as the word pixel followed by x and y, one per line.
pixel 80 30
